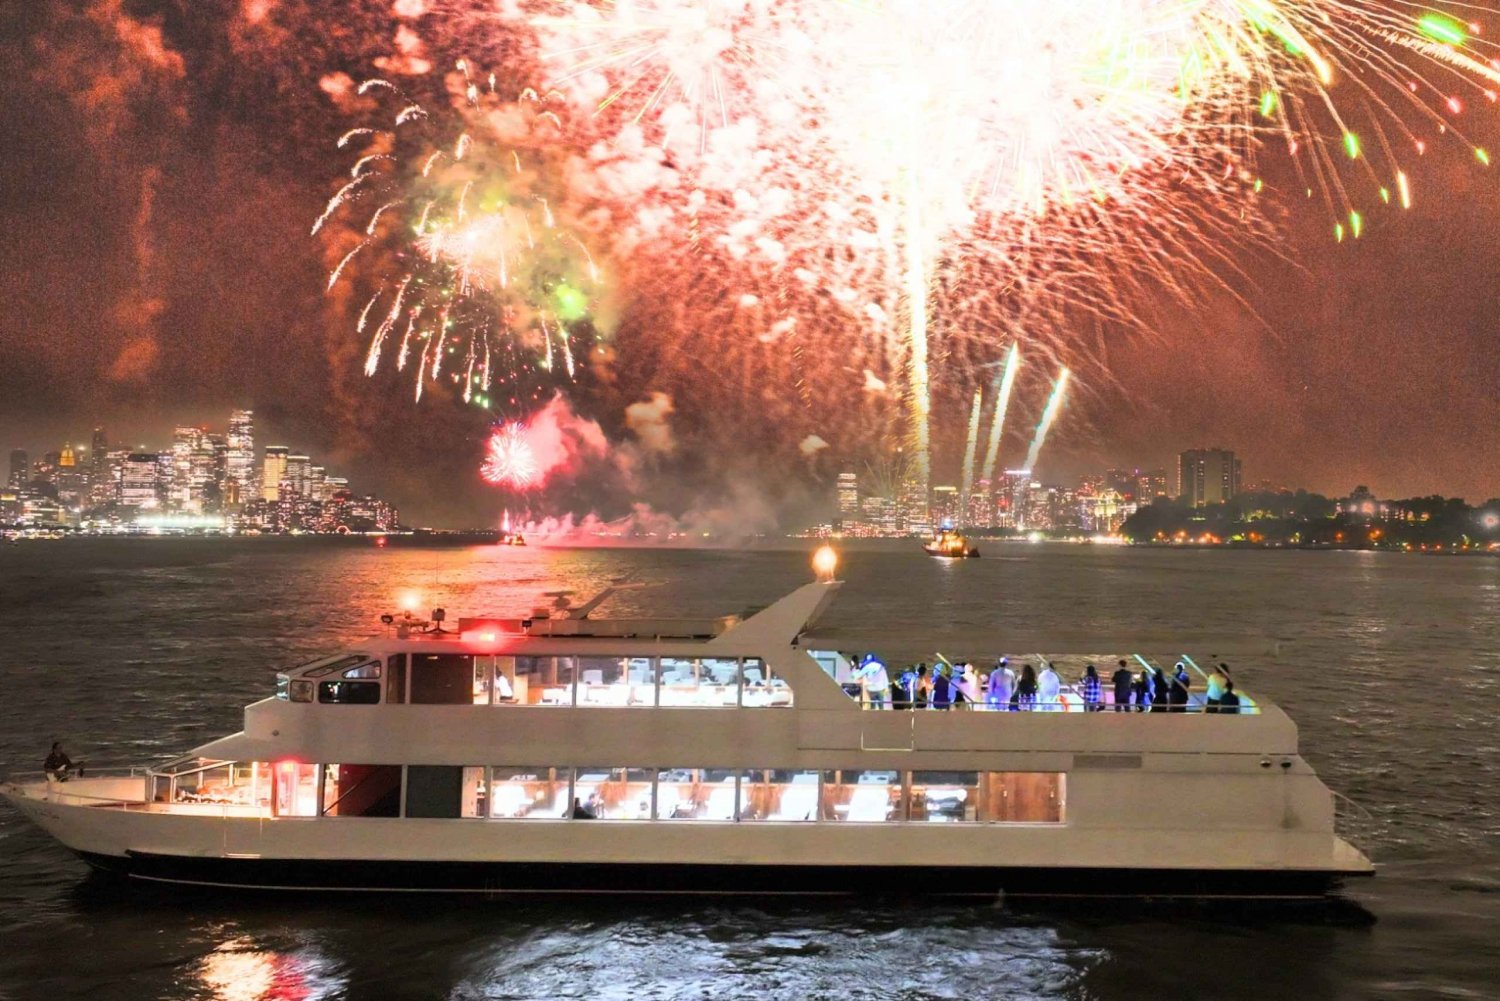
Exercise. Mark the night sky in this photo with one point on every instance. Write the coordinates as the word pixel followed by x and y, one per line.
pixel 163 162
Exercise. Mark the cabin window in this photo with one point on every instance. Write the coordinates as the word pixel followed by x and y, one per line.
pixel 361 790
pixel 442 679
pixel 434 790
pixel 870 796
pixel 614 793
pixel 371 669
pixel 475 793
pixel 520 793
pixel 484 669
pixel 944 797
pixel 1023 797
pixel 695 794
pixel 335 666
pixel 700 681
pixel 616 681
pixel 778 795
pixel 227 783
pixel 544 681
pixel 503 692
pixel 395 678
pixel 763 687
pixel 294 789
pixel 358 693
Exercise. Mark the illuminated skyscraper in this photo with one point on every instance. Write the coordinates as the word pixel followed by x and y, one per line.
pixel 273 471
pixel 239 464
pixel 848 496
pixel 141 481
pixel 1207 476
pixel 19 471
pixel 298 475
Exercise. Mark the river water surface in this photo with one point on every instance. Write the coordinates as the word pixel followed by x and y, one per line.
pixel 134 650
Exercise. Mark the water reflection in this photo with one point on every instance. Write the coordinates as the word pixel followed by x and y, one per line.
pixel 238 970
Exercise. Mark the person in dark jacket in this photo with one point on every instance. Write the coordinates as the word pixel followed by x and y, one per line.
pixel 1123 682
pixel 58 764
pixel 1177 694
pixel 942 687
pixel 1229 702
pixel 1024 697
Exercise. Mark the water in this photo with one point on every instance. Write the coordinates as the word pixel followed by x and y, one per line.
pixel 138 649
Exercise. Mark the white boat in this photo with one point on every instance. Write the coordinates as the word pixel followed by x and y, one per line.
pixel 564 752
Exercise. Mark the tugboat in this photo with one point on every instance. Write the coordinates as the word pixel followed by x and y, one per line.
pixel 948 543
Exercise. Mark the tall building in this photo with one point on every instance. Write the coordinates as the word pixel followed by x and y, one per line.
pixel 1207 476
pixel 298 474
pixel 20 472
pixel 946 512
pixel 239 464
pixel 848 496
pixel 273 471
pixel 142 484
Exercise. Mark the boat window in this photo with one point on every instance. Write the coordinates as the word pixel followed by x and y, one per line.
pixel 778 795
pixel 434 790
pixel 295 789
pixel 474 792
pixel 358 693
pixel 616 681
pixel 230 783
pixel 870 796
pixel 369 669
pixel 763 687
pixel 361 790
pixel 700 681
pixel 395 678
pixel 614 793
pixel 442 678
pixel 944 797
pixel 484 668
pixel 1023 797
pixel 544 681
pixel 695 794
pixel 342 663
pixel 504 690
pixel 528 793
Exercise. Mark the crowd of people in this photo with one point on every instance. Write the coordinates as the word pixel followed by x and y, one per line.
pixel 946 685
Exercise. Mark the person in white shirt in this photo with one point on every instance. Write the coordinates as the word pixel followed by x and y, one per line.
pixel 1048 685
pixel 876 682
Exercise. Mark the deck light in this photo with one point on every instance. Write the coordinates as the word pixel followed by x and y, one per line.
pixel 825 561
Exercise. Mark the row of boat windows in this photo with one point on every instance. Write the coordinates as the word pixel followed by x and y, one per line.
pixel 297 789
pixel 463 679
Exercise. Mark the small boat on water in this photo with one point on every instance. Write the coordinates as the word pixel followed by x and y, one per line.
pixel 949 544
pixel 557 751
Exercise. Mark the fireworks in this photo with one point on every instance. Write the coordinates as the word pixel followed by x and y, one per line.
pixel 1049 416
pixel 798 192
pixel 484 285
pixel 509 460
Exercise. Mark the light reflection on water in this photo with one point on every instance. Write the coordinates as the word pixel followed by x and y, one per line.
pixel 132 650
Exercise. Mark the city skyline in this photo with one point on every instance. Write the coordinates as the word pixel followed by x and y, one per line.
pixel 204 479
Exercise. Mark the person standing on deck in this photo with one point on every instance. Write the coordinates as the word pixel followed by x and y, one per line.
pixel 921 688
pixel 1093 690
pixel 1002 683
pixel 1049 686
pixel 874 681
pixel 969 686
pixel 942 687
pixel 1123 683
pixel 1024 697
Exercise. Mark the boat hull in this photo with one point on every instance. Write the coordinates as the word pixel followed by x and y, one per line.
pixel 709 878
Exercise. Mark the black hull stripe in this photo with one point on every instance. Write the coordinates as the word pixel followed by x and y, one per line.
pixel 300 875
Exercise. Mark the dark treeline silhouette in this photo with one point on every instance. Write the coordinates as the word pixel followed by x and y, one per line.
pixel 1308 519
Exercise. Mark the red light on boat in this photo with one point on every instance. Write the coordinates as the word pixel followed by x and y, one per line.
pixel 380 542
